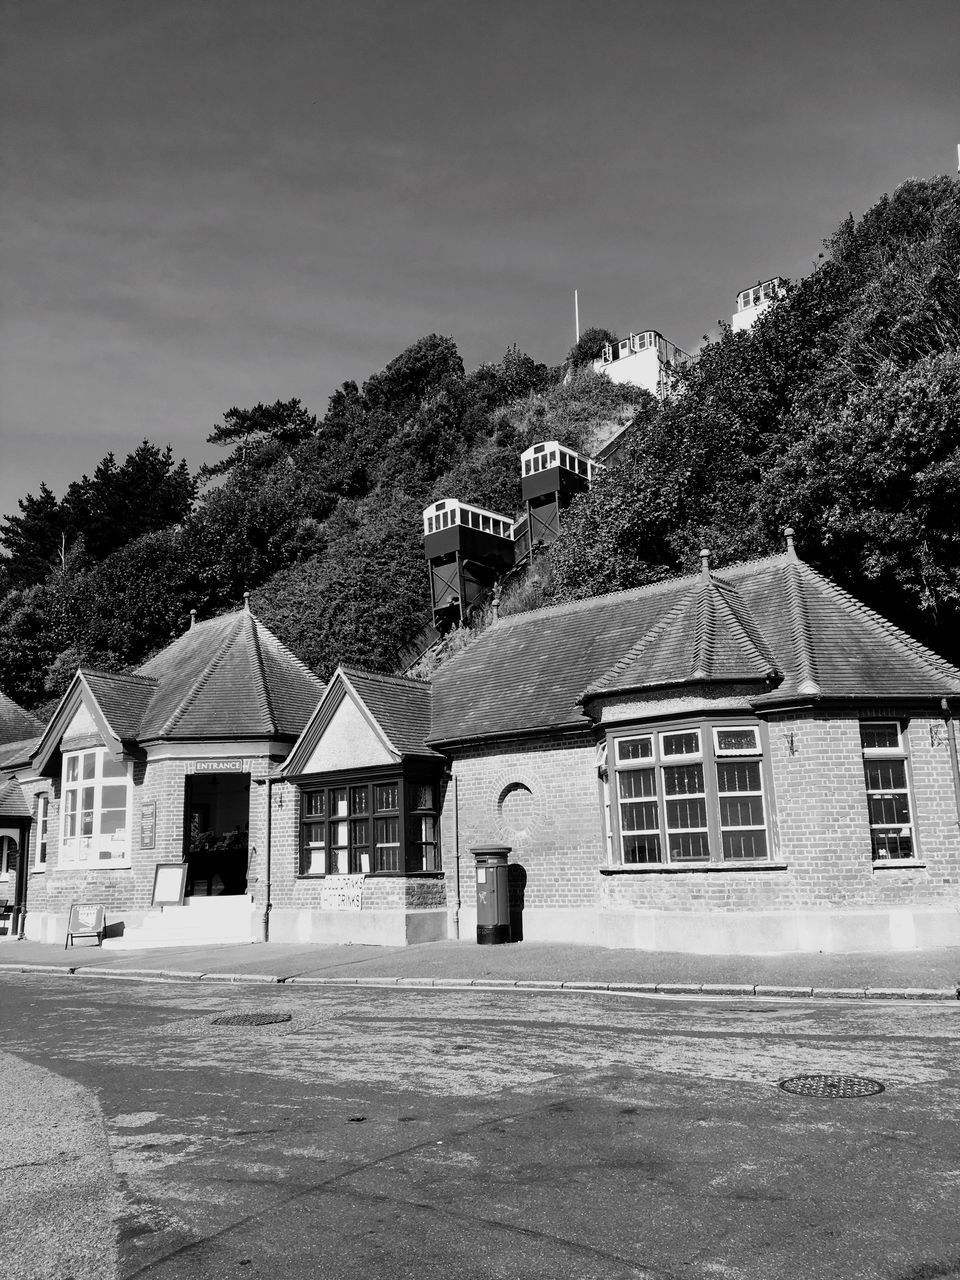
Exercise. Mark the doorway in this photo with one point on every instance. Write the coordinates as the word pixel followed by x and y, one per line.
pixel 217 834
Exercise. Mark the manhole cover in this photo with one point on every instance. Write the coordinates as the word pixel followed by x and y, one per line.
pixel 250 1019
pixel 831 1086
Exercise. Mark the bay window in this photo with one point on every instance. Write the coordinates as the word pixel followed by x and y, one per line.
pixel 368 826
pixel 691 794
pixel 96 803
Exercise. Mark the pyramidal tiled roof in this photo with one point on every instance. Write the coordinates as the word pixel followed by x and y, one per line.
pixel 229 677
pixel 401 707
pixel 775 623
pixel 709 635
pixel 14 755
pixel 13 803
pixel 15 723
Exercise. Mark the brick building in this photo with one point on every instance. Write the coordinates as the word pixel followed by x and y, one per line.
pixel 748 760
pixel 736 761
pixel 166 766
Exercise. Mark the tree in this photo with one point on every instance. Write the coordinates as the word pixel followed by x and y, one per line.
pixel 257 437
pixel 414 375
pixel 589 346
pixel 33 539
pixel 147 492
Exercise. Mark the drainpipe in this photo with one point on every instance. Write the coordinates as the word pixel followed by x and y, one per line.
pixel 952 744
pixel 22 879
pixel 456 855
pixel 266 909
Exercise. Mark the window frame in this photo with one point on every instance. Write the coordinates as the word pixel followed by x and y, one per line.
pixel 899 755
pixel 404 813
pixel 5 871
pixel 711 759
pixel 41 841
pixel 80 849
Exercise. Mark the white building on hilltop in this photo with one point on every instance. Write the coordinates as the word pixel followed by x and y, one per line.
pixel 644 359
pixel 752 303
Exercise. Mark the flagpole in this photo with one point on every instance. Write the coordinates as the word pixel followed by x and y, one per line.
pixel 576 310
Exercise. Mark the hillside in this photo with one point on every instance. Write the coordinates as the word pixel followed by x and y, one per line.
pixel 838 413
pixel 319 518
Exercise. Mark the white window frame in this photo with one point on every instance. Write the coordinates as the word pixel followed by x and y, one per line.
pixel 79 850
pixel 722 752
pixel 711 757
pixel 6 835
pixel 899 755
pixel 41 844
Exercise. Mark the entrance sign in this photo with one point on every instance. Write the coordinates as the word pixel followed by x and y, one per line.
pixel 233 765
pixel 169 882
pixel 148 824
pixel 342 893
pixel 86 920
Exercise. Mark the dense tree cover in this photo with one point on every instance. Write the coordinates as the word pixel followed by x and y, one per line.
pixel 838 413
pixel 318 517
pixel 119 503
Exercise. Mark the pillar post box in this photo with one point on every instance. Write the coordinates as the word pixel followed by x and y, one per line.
pixel 493 893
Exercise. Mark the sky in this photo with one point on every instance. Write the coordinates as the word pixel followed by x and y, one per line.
pixel 209 203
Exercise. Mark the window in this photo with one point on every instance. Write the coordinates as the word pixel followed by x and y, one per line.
pixel 369 827
pixel 888 792
pixel 9 852
pixel 422 845
pixel 691 795
pixel 95 826
pixel 40 846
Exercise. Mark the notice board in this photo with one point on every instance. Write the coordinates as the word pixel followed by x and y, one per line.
pixel 169 882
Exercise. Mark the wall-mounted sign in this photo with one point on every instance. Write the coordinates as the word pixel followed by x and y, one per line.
pixel 169 882
pixel 232 765
pixel 148 824
pixel 342 893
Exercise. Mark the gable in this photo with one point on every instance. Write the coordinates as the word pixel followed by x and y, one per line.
pixel 348 742
pixel 82 730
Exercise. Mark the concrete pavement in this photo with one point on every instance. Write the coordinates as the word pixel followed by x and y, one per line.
pixel 889 975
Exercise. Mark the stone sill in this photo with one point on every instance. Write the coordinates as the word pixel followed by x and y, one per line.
pixel 673 869
pixel 84 868
pixel 899 864
pixel 334 876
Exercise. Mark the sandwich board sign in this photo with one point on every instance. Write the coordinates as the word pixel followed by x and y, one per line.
pixel 86 920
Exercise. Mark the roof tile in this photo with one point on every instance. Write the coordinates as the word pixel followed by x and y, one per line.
pixel 401 707
pixel 774 621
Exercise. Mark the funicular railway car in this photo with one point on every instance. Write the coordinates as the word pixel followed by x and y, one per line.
pixel 551 476
pixel 467 548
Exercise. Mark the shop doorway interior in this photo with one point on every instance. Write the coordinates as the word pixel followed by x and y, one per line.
pixel 217 834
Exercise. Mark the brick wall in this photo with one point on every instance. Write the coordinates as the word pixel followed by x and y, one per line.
pixel 818 816
pixel 130 889
pixel 542 799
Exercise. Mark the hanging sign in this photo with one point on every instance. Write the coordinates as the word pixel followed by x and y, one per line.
pixel 232 765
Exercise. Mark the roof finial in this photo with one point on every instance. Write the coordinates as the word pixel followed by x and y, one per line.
pixel 791 549
pixel 704 562
pixel 246 602
pixel 193 618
